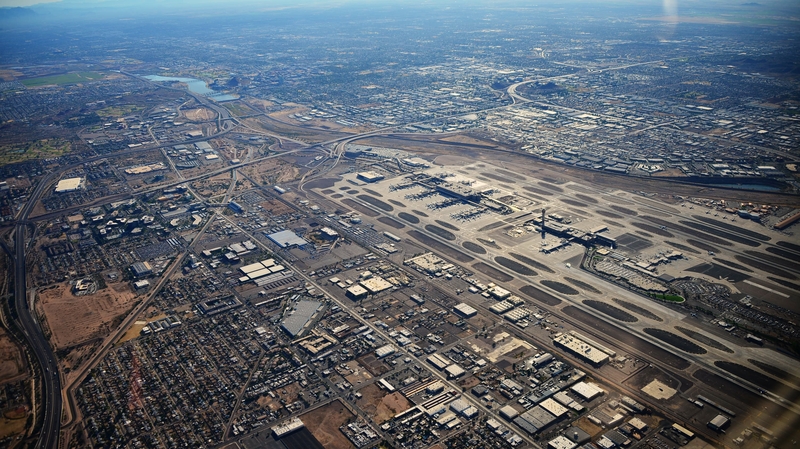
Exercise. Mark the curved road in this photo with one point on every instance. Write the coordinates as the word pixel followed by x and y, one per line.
pixel 51 383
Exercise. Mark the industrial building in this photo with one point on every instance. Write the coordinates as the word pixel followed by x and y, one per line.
pixel 587 390
pixel 720 422
pixel 581 349
pixel 327 233
pixel 534 420
pixel 465 310
pixel 236 207
pixel 454 371
pixel 255 267
pixel 438 361
pixel 561 442
pixel 553 407
pixel 296 321
pixel 375 285
pixel 260 271
pixel 140 269
pixel 287 239
pixel 508 412
pixel 385 351
pixel 577 435
pixel 287 427
pixel 501 307
pixel 464 408
pixel 429 263
pixel 356 292
pixel 517 315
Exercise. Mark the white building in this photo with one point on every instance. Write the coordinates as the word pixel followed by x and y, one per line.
pixel 69 185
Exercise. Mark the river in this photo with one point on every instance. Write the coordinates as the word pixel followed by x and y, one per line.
pixel 196 86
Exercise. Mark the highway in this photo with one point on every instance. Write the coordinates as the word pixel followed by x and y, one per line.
pixel 51 382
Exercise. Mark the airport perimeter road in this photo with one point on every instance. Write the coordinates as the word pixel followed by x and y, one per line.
pixel 51 383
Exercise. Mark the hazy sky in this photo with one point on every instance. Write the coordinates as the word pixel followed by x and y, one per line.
pixel 24 2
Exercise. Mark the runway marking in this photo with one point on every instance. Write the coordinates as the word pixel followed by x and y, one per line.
pixel 747 281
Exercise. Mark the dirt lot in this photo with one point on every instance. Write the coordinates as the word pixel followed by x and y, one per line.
pixel 199 114
pixel 289 128
pixel 215 185
pixel 70 363
pixel 257 104
pixel 13 423
pixel 374 365
pixel 381 406
pixel 73 319
pixel 275 207
pixel 274 404
pixel 588 427
pixel 324 424
pixel 134 331
pixel 359 373
pixel 11 362
pixel 271 172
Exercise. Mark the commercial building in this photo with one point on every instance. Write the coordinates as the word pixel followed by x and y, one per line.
pixel 69 185
pixel 370 176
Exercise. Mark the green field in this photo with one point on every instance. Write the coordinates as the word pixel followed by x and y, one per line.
pixel 67 78
pixel 670 298
pixel 119 111
pixel 41 149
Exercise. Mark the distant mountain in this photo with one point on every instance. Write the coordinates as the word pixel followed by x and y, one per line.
pixel 18 12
